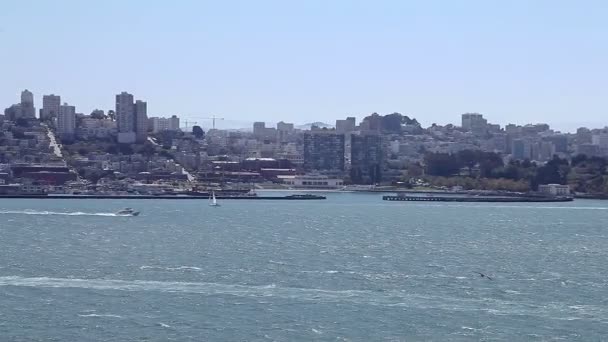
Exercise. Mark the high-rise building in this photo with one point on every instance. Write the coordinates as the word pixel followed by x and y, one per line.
pixel 164 124
pixel 346 126
pixel 50 106
pixel 324 151
pixel 366 158
pixel 132 119
pixel 259 128
pixel 584 136
pixel 560 142
pixel 141 121
pixel 125 113
pixel 546 150
pixel 13 112
pixel 284 131
pixel 284 127
pixel 263 133
pixel 522 149
pixel 27 105
pixel 601 139
pixel 66 121
pixel 474 122
pixel 174 123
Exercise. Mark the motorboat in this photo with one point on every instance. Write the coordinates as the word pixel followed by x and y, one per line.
pixel 127 212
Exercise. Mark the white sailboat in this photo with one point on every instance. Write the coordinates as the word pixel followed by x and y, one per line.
pixel 213 201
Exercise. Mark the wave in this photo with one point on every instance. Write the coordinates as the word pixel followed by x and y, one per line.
pixel 178 268
pixel 180 287
pixel 386 298
pixel 100 315
pixel 34 212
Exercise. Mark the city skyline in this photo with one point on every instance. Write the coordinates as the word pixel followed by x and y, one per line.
pixel 53 100
pixel 269 61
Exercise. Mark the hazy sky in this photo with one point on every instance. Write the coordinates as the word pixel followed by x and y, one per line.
pixel 302 61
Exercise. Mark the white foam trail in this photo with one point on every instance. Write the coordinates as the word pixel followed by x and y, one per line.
pixel 99 315
pixel 33 212
pixel 178 268
pixel 183 287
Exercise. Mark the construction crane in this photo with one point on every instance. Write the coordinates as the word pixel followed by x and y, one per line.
pixel 190 122
pixel 213 118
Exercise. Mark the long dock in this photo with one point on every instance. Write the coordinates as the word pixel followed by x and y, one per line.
pixel 475 199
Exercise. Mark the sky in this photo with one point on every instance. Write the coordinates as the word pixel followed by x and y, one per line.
pixel 315 60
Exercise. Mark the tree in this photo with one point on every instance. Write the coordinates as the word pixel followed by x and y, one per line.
pixel 554 171
pixel 21 122
pixel 198 132
pixel 441 164
pixel 391 123
pixel 112 115
pixel 98 114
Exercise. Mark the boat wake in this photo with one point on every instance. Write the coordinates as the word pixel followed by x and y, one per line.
pixel 77 213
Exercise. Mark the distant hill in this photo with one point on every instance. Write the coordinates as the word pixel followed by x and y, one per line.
pixel 318 124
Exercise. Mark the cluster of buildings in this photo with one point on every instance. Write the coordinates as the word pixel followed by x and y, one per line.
pixel 378 149
pixel 128 122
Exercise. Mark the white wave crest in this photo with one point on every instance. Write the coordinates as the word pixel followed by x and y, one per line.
pixel 100 315
pixel 178 268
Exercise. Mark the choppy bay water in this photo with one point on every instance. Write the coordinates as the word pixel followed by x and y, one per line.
pixel 351 268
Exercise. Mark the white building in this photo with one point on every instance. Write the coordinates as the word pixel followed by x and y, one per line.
pixel 132 119
pixel 164 124
pixel 96 128
pixel 554 189
pixel 50 106
pixel 311 182
pixel 474 122
pixel 141 120
pixel 600 139
pixel 66 121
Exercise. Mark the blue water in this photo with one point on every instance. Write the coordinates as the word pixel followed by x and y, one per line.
pixel 350 268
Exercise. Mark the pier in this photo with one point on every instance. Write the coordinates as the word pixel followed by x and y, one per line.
pixel 476 199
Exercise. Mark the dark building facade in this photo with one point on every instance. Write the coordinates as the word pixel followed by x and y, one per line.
pixel 366 158
pixel 324 151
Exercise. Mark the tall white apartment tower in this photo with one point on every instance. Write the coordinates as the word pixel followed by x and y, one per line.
pixel 50 106
pixel 66 121
pixel 125 117
pixel 141 121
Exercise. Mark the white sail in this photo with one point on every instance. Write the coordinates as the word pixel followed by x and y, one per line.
pixel 212 200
